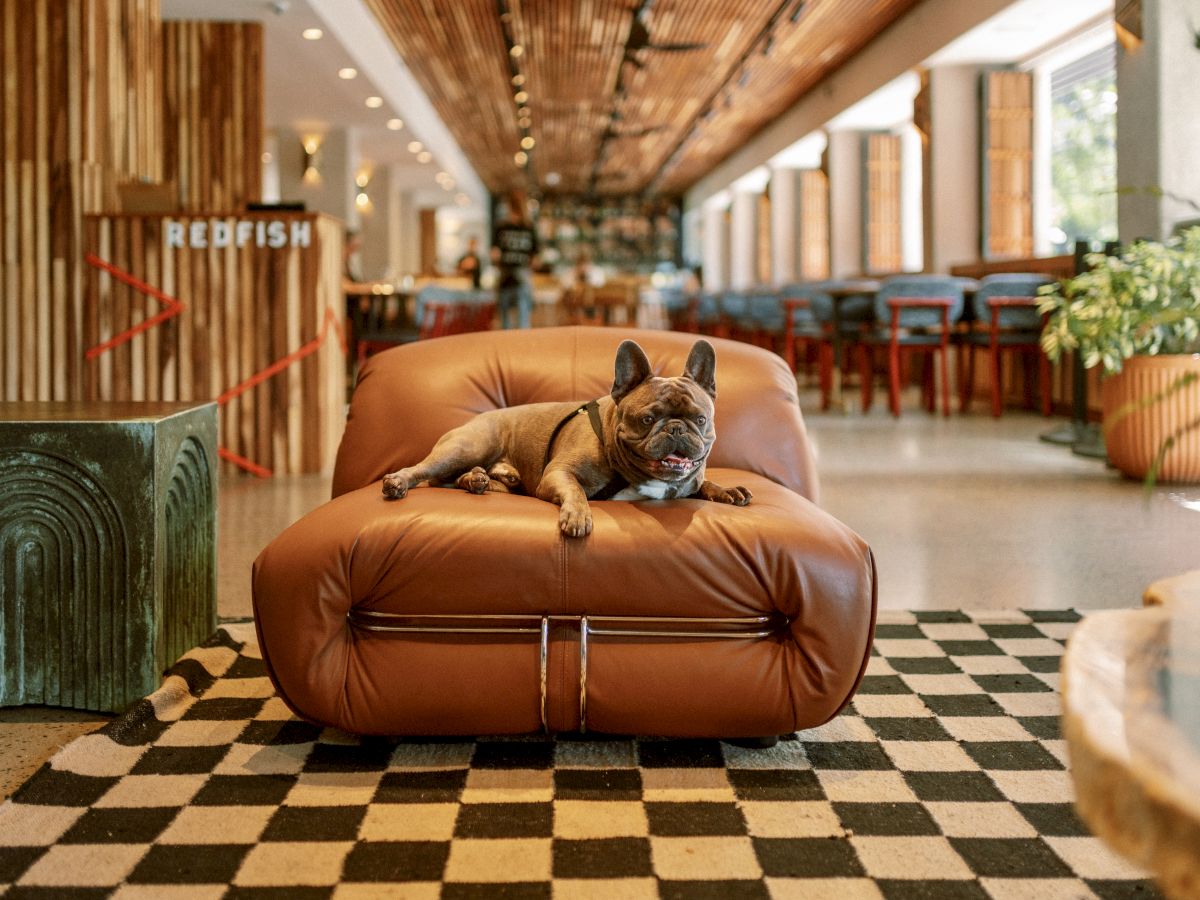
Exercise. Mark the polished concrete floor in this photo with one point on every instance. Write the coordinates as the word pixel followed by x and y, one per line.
pixel 961 512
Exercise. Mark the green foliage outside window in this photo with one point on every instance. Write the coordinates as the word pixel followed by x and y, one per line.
pixel 1084 163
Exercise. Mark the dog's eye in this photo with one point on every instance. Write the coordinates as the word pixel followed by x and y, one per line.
pixel 700 420
pixel 647 420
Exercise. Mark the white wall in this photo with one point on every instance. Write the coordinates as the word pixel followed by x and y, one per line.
pixel 952 232
pixel 333 191
pixel 1158 122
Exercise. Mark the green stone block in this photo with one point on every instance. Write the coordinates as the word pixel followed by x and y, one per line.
pixel 108 564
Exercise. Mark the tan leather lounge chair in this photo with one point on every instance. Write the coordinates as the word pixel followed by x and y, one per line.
pixel 451 613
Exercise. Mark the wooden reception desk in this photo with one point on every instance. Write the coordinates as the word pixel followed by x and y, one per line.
pixel 242 308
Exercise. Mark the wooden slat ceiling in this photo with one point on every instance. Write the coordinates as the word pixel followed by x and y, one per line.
pixel 625 96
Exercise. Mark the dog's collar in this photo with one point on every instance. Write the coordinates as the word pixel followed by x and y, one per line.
pixel 617 483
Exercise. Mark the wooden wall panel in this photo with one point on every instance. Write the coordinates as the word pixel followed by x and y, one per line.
pixel 882 249
pixel 80 113
pixel 244 309
pixel 1008 165
pixel 213 114
pixel 814 225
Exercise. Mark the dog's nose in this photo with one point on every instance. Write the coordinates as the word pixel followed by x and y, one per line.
pixel 675 428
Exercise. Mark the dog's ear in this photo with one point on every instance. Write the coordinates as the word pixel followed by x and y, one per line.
pixel 632 369
pixel 701 367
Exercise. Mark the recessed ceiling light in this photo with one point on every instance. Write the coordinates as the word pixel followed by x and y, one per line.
pixel 348 73
pixel 415 146
pixel 312 34
pixel 424 156
pixel 521 96
pixel 516 51
pixel 374 102
pixel 520 157
pixel 395 124
pixel 527 142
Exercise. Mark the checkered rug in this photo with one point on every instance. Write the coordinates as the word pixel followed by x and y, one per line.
pixel 945 778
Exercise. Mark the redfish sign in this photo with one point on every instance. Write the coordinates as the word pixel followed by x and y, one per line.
pixel 273 233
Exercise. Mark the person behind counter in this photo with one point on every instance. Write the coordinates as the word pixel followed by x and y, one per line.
pixel 469 265
pixel 514 248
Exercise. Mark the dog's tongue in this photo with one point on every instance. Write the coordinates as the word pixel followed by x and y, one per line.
pixel 674 459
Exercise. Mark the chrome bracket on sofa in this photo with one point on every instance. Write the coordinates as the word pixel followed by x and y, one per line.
pixel 590 626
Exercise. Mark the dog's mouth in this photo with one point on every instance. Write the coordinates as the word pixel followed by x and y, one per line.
pixel 674 463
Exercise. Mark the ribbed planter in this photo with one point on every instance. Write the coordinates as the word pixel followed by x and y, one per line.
pixel 1134 441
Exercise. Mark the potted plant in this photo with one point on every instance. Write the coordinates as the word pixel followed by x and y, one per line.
pixel 1137 315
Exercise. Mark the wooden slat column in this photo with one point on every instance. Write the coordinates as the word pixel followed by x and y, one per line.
pixel 882 247
pixel 68 71
pixel 1007 166
pixel 213 113
pixel 814 225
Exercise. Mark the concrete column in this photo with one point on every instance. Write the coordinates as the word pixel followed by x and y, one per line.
pixel 952 173
pixel 716 244
pixel 378 227
pixel 784 238
pixel 1043 182
pixel 329 186
pixel 1158 123
pixel 743 240
pixel 844 153
pixel 693 237
pixel 912 243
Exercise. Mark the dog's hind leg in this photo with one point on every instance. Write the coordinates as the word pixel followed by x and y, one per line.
pixel 459 450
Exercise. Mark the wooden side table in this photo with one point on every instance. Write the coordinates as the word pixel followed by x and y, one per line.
pixel 1131 718
pixel 107 547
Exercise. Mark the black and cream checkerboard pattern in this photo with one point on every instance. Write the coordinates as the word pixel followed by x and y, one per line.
pixel 945 778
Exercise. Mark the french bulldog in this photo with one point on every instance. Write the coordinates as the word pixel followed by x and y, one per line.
pixel 647 440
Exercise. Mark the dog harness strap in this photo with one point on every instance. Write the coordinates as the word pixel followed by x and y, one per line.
pixel 617 483
pixel 559 427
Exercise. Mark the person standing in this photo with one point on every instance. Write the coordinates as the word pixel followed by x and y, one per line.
pixel 514 246
pixel 469 265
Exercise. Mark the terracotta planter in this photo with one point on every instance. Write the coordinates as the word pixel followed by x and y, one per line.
pixel 1133 442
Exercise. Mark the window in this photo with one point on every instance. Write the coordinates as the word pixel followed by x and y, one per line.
pixel 1083 161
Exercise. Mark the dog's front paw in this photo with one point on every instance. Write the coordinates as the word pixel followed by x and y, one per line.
pixel 736 496
pixel 395 486
pixel 575 521
pixel 476 481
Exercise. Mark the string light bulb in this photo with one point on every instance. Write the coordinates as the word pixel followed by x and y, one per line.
pixel 521 158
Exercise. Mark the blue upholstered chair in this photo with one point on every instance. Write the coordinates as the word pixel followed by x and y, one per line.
pixel 1006 319
pixel 913 314
pixel 681 308
pixel 708 314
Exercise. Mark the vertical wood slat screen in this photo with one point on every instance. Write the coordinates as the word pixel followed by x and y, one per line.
pixel 814 225
pixel 213 73
pixel 244 309
pixel 68 69
pixel 762 262
pixel 1007 165
pixel 882 251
